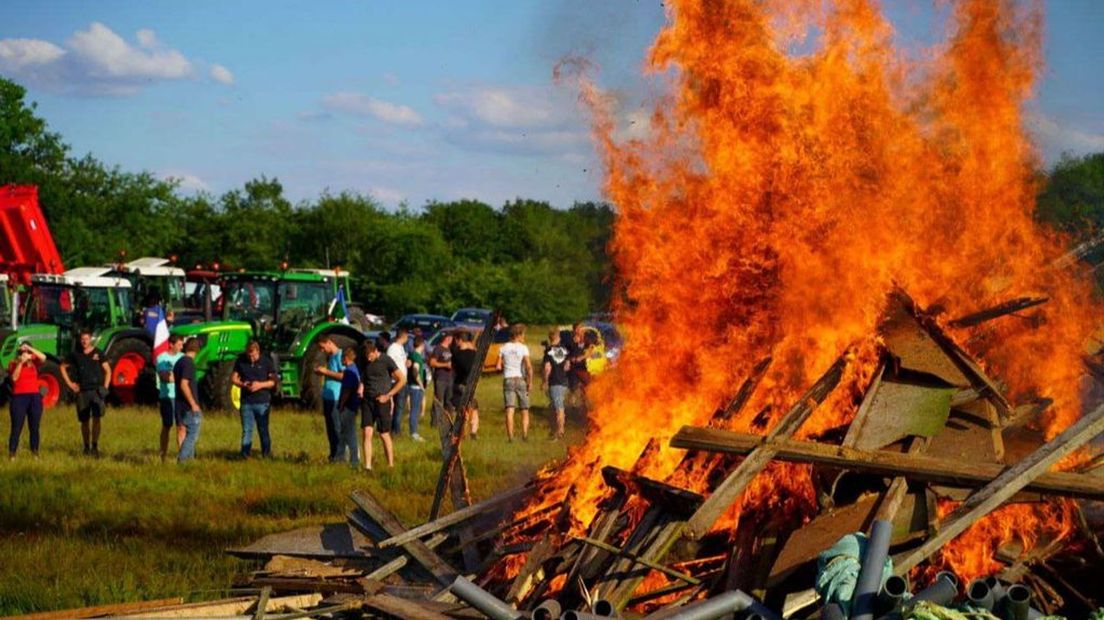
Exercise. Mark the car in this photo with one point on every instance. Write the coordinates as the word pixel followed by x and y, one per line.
pixel 611 338
pixel 501 337
pixel 605 351
pixel 430 324
pixel 476 317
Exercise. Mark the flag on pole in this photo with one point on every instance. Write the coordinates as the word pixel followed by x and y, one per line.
pixel 341 300
pixel 159 329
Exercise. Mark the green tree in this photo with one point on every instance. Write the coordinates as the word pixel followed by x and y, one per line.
pixel 1072 198
pixel 257 224
pixel 470 227
pixel 29 152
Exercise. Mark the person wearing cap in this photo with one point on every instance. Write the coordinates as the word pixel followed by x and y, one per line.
pixel 26 400
pixel 88 375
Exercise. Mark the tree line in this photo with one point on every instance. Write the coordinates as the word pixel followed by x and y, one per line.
pixel 534 262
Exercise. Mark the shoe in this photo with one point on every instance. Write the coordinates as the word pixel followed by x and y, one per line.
pixel 417 437
pixel 87 451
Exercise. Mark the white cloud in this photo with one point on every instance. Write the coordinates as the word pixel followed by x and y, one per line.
pixel 221 74
pixel 17 55
pixel 387 194
pixel 1057 138
pixel 98 61
pixel 363 105
pixel 188 182
pixel 512 107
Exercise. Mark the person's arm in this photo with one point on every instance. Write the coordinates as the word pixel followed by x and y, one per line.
pixel 268 384
pixel 235 379
pixel 498 360
pixel 528 365
pixel 417 368
pixel 36 354
pixel 16 369
pixel 400 381
pixel 186 388
pixel 326 372
pixel 547 373
pixel 344 396
pixel 107 374
pixel 65 376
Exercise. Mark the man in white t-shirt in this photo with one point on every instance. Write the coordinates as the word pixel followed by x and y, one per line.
pixel 397 352
pixel 517 379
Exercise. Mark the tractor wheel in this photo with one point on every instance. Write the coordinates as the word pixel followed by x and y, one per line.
pixel 133 378
pixel 218 391
pixel 52 386
pixel 310 390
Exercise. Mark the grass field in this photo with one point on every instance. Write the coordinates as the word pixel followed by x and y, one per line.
pixel 76 531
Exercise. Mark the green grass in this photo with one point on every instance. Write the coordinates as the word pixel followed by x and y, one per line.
pixel 76 531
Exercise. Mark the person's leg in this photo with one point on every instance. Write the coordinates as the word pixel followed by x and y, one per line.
pixel 247 430
pixel 97 415
pixel 34 421
pixel 262 429
pixel 386 415
pixel 388 449
pixel 191 436
pixel 417 399
pixel 509 397
pixel 17 409
pixel 523 405
pixel 348 429
pixel 473 417
pixel 368 430
pixel 398 407
pixel 181 430
pixel 333 433
pixel 557 394
pixel 166 407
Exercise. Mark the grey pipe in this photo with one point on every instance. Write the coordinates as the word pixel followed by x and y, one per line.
pixel 997 588
pixel 573 614
pixel 893 594
pixel 1016 604
pixel 723 604
pixel 979 594
pixel 942 591
pixel 870 573
pixel 604 608
pixel 832 611
pixel 548 610
pixel 482 600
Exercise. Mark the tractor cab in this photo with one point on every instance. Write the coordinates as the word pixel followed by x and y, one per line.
pixel 5 301
pixel 279 306
pixel 78 299
pixel 152 278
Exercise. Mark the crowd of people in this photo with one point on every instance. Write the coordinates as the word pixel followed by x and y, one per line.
pixel 367 391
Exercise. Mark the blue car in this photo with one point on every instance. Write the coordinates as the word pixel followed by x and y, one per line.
pixel 474 317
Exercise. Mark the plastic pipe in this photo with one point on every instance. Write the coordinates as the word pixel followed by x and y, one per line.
pixel 574 614
pixel 997 588
pixel 980 594
pixel 870 574
pixel 482 600
pixel 548 610
pixel 893 594
pixel 832 611
pixel 729 602
pixel 1017 604
pixel 604 608
pixel 941 592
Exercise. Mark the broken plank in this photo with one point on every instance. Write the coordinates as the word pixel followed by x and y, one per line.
pixel 398 563
pixel 294 584
pixel 997 311
pixel 100 610
pixel 881 462
pixel 670 572
pixel 402 608
pixel 729 490
pixel 1007 484
pixel 453 518
pixel 416 549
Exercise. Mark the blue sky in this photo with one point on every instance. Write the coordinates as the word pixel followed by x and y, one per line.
pixel 407 101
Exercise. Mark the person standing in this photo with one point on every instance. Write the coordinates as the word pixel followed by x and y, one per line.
pixel 331 374
pixel 25 405
pixel 554 378
pixel 383 380
pixel 397 352
pixel 416 385
pixel 348 404
pixel 188 414
pixel 517 379
pixel 256 376
pixel 464 372
pixel 440 361
pixel 166 393
pixel 88 375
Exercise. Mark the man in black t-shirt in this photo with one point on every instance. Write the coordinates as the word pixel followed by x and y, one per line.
pixel 463 367
pixel 440 361
pixel 256 376
pixel 88 375
pixel 188 413
pixel 382 380
pixel 556 365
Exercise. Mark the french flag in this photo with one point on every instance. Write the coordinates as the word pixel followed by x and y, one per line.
pixel 160 334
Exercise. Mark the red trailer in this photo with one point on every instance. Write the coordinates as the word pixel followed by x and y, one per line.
pixel 27 246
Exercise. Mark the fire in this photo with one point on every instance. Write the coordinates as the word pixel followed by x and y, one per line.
pixel 781 195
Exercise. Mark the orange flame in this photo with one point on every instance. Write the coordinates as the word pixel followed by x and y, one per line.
pixel 778 198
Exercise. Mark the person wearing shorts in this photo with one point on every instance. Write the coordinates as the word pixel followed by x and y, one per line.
pixel 88 375
pixel 556 365
pixel 517 379
pixel 464 372
pixel 166 397
pixel 383 380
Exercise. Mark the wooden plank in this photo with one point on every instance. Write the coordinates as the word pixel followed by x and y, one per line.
pixel 1007 484
pixel 859 421
pixel 398 563
pixel 416 549
pixel 733 485
pixel 747 388
pixel 453 518
pixel 233 607
pixel 915 467
pixel 670 572
pixel 997 311
pixel 402 608
pixel 99 610
pixel 302 584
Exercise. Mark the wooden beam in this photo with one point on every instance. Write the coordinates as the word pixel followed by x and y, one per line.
pixel 398 563
pixel 402 608
pixel 416 549
pixel 730 489
pixel 453 518
pixel 997 311
pixel 1007 484
pixel 670 572
pixel 100 610
pixel 881 462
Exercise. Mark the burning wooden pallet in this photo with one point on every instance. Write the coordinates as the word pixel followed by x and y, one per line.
pixel 924 458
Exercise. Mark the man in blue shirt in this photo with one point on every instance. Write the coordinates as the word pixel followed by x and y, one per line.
pixel 166 387
pixel 331 390
pixel 348 405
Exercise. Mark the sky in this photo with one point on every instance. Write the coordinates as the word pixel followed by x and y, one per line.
pixel 408 102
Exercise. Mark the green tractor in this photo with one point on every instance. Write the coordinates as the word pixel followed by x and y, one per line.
pixel 58 307
pixel 287 312
pixel 152 275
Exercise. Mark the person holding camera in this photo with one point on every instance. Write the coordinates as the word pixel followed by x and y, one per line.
pixel 256 376
pixel 88 375
pixel 26 400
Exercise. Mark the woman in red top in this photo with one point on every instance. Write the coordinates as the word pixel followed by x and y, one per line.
pixel 26 401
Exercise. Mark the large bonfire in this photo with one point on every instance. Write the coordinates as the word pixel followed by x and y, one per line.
pixel 800 168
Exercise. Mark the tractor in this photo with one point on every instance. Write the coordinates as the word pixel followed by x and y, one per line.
pixel 152 275
pixel 286 311
pixel 59 306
